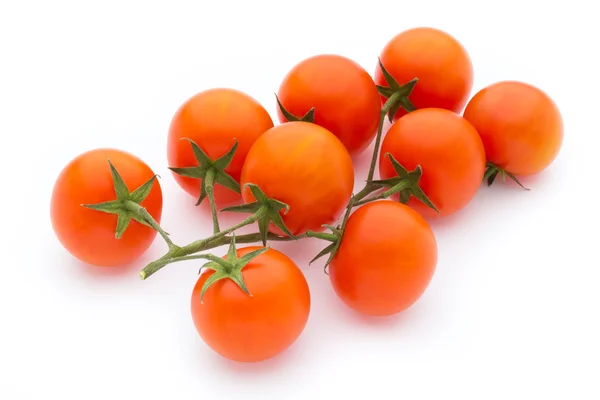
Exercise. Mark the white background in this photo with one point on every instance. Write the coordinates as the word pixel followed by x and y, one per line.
pixel 512 312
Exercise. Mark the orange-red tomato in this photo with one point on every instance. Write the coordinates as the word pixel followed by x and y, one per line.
pixel 449 151
pixel 519 124
pixel 343 94
pixel 305 166
pixel 437 59
pixel 386 259
pixel 251 329
pixel 89 235
pixel 213 119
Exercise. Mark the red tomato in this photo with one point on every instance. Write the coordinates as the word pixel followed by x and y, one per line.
pixel 89 235
pixel 213 119
pixel 251 329
pixel 449 151
pixel 305 166
pixel 520 126
pixel 343 94
pixel 386 259
pixel 437 59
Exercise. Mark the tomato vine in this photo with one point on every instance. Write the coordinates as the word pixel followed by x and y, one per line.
pixel 265 211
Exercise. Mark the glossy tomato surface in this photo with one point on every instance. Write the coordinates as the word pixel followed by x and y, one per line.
pixel 343 94
pixel 386 259
pixel 437 59
pixel 305 166
pixel 213 119
pixel 519 124
pixel 449 151
pixel 89 235
pixel 253 328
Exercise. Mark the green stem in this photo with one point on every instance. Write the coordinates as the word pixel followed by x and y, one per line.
pixel 198 245
pixel 142 212
pixel 370 186
pixel 384 195
pixel 322 235
pixel 210 193
pixel 186 253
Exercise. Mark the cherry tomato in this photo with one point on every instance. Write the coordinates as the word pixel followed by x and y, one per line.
pixel 305 166
pixel 213 119
pixel 343 94
pixel 386 259
pixel 89 235
pixel 437 59
pixel 257 327
pixel 449 151
pixel 519 124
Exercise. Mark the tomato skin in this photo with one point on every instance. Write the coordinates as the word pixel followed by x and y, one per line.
pixel 252 329
pixel 213 119
pixel 305 166
pixel 87 234
pixel 449 151
pixel 519 124
pixel 437 59
pixel 344 96
pixel 386 259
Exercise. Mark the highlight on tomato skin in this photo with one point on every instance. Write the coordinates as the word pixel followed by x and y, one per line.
pixel 520 126
pixel 449 151
pixel 341 92
pixel 386 259
pixel 256 326
pixel 438 60
pixel 304 166
pixel 90 235
pixel 215 119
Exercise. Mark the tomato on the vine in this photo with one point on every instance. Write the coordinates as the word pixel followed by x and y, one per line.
pixel 385 260
pixel 260 323
pixel 85 187
pixel 342 93
pixel 440 63
pixel 215 119
pixel 449 151
pixel 519 124
pixel 304 166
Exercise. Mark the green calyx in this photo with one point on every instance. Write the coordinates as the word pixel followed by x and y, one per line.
pixel 228 268
pixel 401 92
pixel 405 183
pixel 209 171
pixel 492 171
pixel 265 210
pixel 308 117
pixel 335 237
pixel 127 205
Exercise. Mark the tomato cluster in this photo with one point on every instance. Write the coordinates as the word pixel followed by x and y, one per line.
pixel 295 180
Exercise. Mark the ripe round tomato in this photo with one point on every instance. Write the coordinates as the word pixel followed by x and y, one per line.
pixel 449 151
pixel 253 328
pixel 213 119
pixel 343 94
pixel 386 259
pixel 520 126
pixel 305 166
pixel 89 235
pixel 437 59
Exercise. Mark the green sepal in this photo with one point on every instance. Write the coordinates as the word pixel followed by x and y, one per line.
pixel 229 267
pixel 405 183
pixel 266 210
pixel 205 163
pixel 335 237
pixel 308 117
pixel 492 171
pixel 403 92
pixel 127 205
